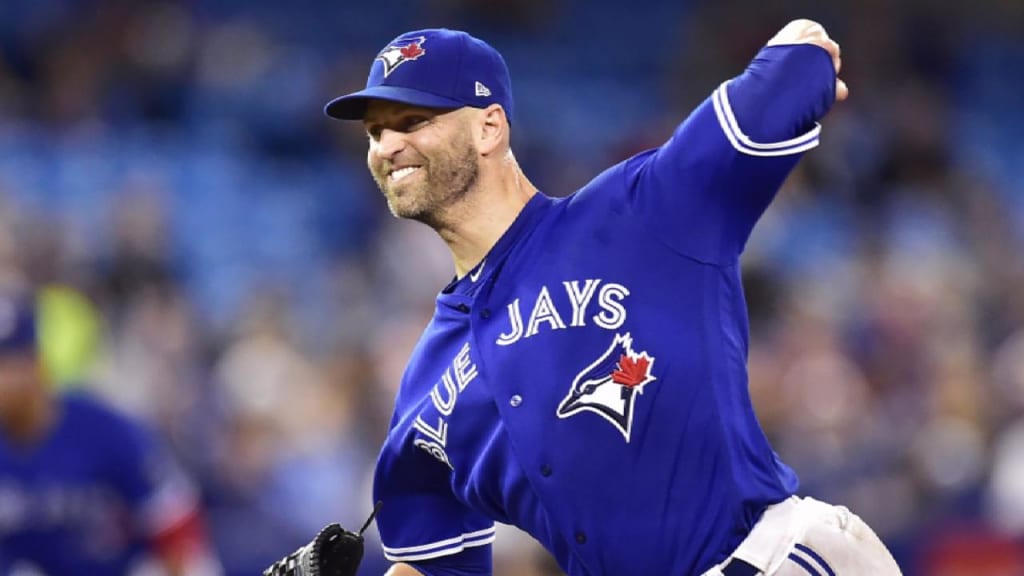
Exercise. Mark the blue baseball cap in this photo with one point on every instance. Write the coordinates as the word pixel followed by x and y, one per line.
pixel 433 68
pixel 17 324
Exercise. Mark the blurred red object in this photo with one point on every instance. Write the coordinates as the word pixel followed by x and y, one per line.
pixel 972 551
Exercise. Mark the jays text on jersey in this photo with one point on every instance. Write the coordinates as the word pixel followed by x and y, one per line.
pixel 587 381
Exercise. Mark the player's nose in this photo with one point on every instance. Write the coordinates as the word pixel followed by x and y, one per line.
pixel 389 143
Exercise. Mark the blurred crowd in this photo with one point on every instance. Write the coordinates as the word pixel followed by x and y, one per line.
pixel 213 257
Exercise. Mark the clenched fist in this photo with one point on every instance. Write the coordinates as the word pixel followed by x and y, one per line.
pixel 805 31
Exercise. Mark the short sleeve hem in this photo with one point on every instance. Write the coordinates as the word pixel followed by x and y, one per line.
pixel 440 548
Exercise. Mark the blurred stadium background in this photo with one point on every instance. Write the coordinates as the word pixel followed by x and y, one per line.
pixel 213 257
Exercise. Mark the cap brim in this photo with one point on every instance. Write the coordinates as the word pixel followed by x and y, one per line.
pixel 353 106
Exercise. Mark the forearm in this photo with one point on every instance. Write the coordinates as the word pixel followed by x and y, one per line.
pixel 402 570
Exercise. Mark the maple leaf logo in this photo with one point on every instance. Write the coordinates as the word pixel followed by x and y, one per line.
pixel 632 372
pixel 412 51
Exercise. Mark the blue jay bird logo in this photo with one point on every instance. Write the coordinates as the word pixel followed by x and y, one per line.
pixel 399 53
pixel 608 387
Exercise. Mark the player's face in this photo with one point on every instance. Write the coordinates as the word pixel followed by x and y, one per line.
pixel 18 374
pixel 423 159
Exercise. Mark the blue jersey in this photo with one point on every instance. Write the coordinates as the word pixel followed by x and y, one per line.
pixel 86 498
pixel 587 381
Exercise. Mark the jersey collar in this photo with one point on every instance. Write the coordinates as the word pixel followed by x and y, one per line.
pixel 486 271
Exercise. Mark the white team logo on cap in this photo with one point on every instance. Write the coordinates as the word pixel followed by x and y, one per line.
pixel 401 52
pixel 609 386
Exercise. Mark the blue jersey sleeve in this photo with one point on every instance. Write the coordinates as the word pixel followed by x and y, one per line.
pixel 422 523
pixel 704 189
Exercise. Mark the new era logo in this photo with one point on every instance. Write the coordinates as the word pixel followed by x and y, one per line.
pixel 482 90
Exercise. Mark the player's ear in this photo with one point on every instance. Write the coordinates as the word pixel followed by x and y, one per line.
pixel 493 129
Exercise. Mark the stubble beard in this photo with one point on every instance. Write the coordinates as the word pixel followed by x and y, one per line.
pixel 446 181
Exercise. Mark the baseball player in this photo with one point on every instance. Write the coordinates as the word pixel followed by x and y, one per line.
pixel 83 490
pixel 584 375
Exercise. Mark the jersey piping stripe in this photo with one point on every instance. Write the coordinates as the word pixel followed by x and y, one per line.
pixel 731 126
pixel 723 94
pixel 743 143
pixel 449 541
pixel 439 552
pixel 804 564
pixel 441 547
pixel 816 558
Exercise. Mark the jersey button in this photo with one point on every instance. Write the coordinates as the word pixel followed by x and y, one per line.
pixel 462 308
pixel 485 313
pixel 515 401
pixel 581 538
pixel 545 470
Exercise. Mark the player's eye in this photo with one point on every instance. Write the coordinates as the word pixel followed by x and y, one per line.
pixel 411 123
pixel 403 124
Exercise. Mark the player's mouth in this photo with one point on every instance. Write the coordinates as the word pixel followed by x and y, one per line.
pixel 400 173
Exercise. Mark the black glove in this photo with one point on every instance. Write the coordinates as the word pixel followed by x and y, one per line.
pixel 334 552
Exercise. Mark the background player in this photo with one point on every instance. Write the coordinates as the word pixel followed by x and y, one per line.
pixel 83 489
pixel 584 375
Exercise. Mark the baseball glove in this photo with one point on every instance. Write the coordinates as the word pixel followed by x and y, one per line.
pixel 334 552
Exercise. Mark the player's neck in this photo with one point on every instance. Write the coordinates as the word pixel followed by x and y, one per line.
pixel 479 222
